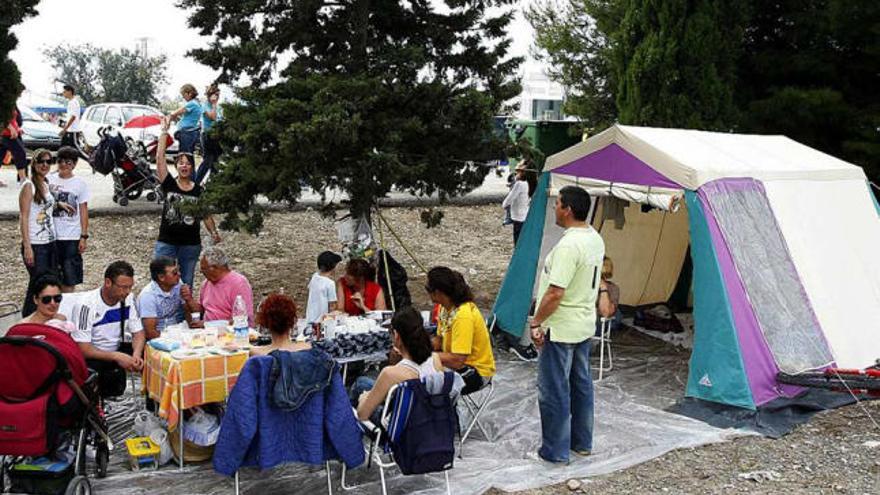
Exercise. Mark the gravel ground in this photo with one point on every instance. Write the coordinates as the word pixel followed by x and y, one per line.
pixel 837 452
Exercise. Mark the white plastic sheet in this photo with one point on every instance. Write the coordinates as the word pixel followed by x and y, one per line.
pixel 630 428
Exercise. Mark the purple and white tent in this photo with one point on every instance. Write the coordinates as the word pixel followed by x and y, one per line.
pixel 783 240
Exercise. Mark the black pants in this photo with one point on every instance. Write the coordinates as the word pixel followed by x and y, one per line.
pixel 74 139
pixel 517 227
pixel 472 380
pixel 45 261
pixel 111 378
pixel 211 151
pixel 16 147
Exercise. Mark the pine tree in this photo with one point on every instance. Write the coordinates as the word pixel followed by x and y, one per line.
pixel 369 95
pixel 12 13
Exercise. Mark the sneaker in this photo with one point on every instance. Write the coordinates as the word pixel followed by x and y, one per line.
pixel 582 452
pixel 524 352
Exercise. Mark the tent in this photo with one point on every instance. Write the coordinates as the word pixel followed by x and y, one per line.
pixel 783 241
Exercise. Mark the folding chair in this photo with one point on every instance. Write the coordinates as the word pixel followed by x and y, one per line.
pixel 604 339
pixel 9 315
pixel 475 407
pixel 395 412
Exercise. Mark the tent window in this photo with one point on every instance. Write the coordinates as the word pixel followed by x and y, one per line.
pixel 771 281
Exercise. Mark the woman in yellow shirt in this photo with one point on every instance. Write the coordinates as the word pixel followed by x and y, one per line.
pixel 462 340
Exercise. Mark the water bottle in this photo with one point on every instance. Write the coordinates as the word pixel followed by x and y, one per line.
pixel 240 322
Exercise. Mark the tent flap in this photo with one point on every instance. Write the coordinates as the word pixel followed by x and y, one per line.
pixel 717 372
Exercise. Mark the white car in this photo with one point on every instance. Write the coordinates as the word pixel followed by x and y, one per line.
pixel 115 115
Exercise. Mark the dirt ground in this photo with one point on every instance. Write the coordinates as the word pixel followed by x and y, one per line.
pixel 837 452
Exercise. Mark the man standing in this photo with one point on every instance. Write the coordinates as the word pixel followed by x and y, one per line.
pixel 162 302
pixel 106 319
pixel 564 321
pixel 72 130
pixel 222 285
pixel 71 218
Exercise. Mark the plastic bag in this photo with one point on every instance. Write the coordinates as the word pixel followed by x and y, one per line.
pixel 202 428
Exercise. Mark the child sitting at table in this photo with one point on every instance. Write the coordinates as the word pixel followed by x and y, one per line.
pixel 322 288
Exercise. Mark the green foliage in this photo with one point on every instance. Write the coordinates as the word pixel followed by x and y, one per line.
pixel 102 75
pixel 807 69
pixel 371 94
pixel 11 13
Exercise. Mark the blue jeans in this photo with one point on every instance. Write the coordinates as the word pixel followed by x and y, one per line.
pixel 210 154
pixel 361 385
pixel 187 140
pixel 565 399
pixel 187 257
pixel 45 261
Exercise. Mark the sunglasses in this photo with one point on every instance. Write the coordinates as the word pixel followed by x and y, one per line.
pixel 49 161
pixel 47 299
pixel 67 161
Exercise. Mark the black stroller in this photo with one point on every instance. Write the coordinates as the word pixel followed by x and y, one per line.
pixel 132 176
pixel 50 411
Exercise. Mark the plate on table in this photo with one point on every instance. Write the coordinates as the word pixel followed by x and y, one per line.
pixel 180 354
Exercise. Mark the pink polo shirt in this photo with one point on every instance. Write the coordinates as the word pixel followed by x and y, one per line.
pixel 217 298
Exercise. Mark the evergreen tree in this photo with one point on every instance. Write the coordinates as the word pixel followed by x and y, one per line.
pixel 369 95
pixel 11 13
pixel 676 62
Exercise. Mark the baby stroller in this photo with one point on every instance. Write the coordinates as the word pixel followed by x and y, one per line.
pixel 48 395
pixel 131 173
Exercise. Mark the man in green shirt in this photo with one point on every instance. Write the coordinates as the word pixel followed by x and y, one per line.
pixel 563 323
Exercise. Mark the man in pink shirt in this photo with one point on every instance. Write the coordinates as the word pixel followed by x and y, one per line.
pixel 221 287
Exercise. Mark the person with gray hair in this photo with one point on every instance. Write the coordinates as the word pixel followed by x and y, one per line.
pixel 220 288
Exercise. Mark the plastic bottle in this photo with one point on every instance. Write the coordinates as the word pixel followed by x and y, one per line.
pixel 240 321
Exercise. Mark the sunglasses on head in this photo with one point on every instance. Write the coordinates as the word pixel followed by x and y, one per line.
pixel 47 299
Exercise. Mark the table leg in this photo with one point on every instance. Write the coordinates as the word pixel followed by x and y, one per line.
pixel 344 373
pixel 180 420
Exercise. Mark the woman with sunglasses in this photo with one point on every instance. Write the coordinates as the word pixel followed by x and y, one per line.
pixel 36 206
pixel 47 299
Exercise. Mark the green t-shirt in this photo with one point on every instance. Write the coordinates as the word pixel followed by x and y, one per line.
pixel 574 264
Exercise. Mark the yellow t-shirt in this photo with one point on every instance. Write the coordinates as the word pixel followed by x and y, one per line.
pixel 464 332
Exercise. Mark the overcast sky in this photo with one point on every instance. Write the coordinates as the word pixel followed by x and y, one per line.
pixel 120 23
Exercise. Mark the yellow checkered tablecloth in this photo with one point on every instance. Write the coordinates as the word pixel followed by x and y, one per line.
pixel 205 379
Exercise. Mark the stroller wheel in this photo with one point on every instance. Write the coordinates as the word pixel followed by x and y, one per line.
pixel 102 460
pixel 123 201
pixel 134 193
pixel 152 196
pixel 79 485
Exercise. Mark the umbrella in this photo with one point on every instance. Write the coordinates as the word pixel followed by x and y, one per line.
pixel 143 121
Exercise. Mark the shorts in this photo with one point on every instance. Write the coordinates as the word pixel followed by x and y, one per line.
pixel 70 261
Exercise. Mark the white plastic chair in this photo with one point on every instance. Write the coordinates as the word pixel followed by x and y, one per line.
pixel 604 339
pixel 391 423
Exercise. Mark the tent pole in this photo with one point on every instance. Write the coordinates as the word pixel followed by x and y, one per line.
pixel 400 241
pixel 385 259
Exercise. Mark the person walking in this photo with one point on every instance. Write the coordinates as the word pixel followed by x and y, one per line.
pixel 190 115
pixel 11 142
pixel 36 206
pixel 71 133
pixel 563 323
pixel 211 114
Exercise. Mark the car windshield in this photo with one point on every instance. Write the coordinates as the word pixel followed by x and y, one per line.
pixel 28 114
pixel 131 112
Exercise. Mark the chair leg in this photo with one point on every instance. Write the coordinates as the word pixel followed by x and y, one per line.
pixel 476 409
pixel 448 488
pixel 237 483
pixel 329 480
pixel 382 478
pixel 601 353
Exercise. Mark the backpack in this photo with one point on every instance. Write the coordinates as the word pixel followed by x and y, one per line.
pixel 108 153
pixel 402 297
pixel 427 442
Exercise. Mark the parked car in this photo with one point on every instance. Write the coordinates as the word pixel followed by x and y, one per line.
pixel 116 115
pixel 38 132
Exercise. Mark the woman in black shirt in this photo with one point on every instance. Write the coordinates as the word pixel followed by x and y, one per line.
pixel 179 233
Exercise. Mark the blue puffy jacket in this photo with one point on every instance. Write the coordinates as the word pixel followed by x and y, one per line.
pixel 255 433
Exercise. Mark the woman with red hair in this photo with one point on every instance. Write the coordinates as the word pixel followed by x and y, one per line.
pixel 278 315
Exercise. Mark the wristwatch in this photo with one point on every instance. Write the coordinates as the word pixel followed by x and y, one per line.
pixel 84 236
